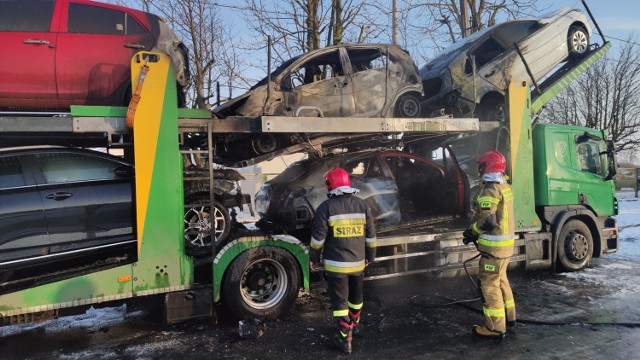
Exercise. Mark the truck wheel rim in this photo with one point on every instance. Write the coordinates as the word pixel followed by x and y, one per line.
pixel 578 246
pixel 263 284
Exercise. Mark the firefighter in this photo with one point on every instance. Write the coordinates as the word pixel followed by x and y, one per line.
pixel 344 233
pixel 492 230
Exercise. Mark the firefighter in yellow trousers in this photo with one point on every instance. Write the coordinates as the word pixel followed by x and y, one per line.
pixel 492 230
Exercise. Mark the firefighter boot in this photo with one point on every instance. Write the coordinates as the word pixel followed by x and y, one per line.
pixel 354 316
pixel 484 332
pixel 342 340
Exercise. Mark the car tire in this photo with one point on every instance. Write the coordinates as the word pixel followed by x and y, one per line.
pixel 575 246
pixel 197 219
pixel 408 106
pixel 577 42
pixel 262 283
pixel 491 108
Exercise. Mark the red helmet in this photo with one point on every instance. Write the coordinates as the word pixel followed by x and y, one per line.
pixel 337 178
pixel 492 162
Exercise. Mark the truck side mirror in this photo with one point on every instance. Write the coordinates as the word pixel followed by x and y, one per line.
pixel 611 160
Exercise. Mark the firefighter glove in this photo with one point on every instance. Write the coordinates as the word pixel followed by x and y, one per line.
pixel 468 236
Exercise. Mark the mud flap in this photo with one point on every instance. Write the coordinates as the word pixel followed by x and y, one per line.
pixel 188 304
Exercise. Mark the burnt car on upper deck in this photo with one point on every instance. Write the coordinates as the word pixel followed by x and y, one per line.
pixel 347 80
pixel 470 77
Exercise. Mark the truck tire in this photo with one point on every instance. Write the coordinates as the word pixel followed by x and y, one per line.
pixel 575 246
pixel 262 283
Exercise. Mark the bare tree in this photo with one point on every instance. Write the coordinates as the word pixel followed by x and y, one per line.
pixel 427 27
pixel 606 97
pixel 298 26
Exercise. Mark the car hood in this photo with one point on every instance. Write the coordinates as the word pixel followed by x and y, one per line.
pixel 231 107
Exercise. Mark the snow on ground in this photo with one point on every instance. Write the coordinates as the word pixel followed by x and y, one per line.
pixel 629 252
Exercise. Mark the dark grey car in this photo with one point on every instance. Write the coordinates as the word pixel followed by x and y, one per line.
pixel 64 211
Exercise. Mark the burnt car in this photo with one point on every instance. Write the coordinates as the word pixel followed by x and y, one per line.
pixel 200 219
pixel 59 53
pixel 364 80
pixel 401 188
pixel 348 80
pixel 470 77
pixel 64 212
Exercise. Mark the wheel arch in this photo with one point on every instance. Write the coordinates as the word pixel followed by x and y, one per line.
pixel 391 105
pixel 233 249
pixel 578 213
pixel 581 25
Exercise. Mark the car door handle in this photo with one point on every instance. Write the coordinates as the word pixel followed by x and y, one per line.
pixel 490 74
pixel 60 195
pixel 36 42
pixel 134 46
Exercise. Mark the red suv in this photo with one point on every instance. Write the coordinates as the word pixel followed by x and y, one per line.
pixel 58 53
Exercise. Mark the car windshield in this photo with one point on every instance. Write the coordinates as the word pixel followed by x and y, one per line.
pixel 276 72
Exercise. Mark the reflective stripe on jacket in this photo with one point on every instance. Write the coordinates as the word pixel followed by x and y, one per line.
pixel 495 237
pixel 344 233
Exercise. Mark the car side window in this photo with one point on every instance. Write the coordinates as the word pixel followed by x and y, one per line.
pixel 88 19
pixel 487 51
pixel 70 167
pixel 133 28
pixel 10 173
pixel 26 16
pixel 367 59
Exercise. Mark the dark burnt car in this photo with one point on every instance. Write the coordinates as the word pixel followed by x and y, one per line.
pixel 398 187
pixel 64 212
pixel 470 78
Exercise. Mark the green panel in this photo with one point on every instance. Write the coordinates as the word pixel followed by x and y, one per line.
pixel 102 286
pixel 521 158
pixel 184 113
pixel 113 111
pixel 564 81
pixel 227 254
pixel 162 263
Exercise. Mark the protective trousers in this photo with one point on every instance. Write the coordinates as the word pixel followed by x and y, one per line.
pixel 345 294
pixel 499 306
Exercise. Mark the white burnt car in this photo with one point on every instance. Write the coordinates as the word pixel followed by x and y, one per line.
pixel 348 80
pixel 471 76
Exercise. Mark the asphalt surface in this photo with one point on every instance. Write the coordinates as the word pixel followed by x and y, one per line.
pixel 593 314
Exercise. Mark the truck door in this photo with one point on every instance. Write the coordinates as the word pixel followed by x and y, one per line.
pixel 27 68
pixel 592 165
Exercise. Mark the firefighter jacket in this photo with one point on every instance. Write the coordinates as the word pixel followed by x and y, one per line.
pixel 493 220
pixel 344 233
